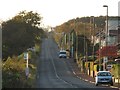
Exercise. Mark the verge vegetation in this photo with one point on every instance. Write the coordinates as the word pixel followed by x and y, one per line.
pixel 20 33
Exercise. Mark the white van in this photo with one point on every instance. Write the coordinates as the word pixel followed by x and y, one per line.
pixel 62 54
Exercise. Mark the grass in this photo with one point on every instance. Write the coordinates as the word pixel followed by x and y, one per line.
pixel 13 70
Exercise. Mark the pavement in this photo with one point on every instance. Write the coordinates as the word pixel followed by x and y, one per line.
pixel 84 76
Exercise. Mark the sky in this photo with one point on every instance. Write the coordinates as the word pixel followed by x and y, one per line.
pixel 56 12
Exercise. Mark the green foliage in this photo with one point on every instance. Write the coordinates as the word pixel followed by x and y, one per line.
pixel 82 42
pixel 99 21
pixel 13 72
pixel 116 70
pixel 21 33
pixel 30 17
pixel 83 26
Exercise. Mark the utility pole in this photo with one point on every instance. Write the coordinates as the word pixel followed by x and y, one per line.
pixel 118 42
pixel 84 39
pixel 100 50
pixel 93 35
pixel 85 58
pixel 76 46
pixel 93 42
pixel 90 28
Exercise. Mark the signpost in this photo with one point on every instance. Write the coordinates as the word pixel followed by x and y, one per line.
pixel 27 72
pixel 105 60
pixel 27 68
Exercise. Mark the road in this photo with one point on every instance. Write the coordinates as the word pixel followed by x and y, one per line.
pixel 53 72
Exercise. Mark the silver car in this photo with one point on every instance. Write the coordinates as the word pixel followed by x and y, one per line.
pixel 103 77
pixel 62 54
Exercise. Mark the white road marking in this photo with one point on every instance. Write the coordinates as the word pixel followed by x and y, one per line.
pixel 57 74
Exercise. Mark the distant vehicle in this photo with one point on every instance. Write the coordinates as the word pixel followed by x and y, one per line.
pixel 62 54
pixel 31 49
pixel 103 77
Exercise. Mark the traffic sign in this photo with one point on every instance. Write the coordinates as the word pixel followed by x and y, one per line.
pixel 26 56
pixel 105 59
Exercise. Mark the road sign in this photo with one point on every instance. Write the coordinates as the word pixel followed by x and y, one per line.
pixel 109 66
pixel 25 55
pixel 105 59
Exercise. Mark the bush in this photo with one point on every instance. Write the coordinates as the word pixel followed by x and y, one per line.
pixel 116 70
pixel 13 73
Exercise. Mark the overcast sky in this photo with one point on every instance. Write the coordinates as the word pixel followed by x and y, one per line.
pixel 56 12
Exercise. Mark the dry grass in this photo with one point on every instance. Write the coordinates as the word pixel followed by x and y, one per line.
pixel 14 72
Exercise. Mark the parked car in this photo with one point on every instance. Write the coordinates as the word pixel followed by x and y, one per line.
pixel 31 49
pixel 62 54
pixel 103 77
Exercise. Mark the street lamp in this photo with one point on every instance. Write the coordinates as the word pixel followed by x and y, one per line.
pixel 106 24
pixel 106 41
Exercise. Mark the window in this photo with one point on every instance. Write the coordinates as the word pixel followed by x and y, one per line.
pixel 104 74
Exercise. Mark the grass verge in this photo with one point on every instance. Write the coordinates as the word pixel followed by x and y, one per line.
pixel 13 70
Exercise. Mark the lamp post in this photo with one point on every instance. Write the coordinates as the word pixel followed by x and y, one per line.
pixel 106 25
pixel 106 41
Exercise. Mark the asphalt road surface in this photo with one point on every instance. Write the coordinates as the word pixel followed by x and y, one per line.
pixel 53 72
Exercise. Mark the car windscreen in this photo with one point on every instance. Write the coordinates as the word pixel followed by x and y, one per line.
pixel 62 52
pixel 104 74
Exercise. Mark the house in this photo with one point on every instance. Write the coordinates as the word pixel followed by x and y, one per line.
pixel 113 36
pixel 113 31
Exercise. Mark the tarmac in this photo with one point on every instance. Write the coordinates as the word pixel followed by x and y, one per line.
pixel 84 76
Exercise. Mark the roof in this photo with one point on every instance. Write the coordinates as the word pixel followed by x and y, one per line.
pixel 103 71
pixel 114 32
pixel 62 50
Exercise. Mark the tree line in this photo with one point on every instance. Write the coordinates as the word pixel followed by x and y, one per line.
pixel 20 33
pixel 84 27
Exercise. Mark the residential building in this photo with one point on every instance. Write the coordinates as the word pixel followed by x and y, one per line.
pixel 113 32
pixel 113 37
